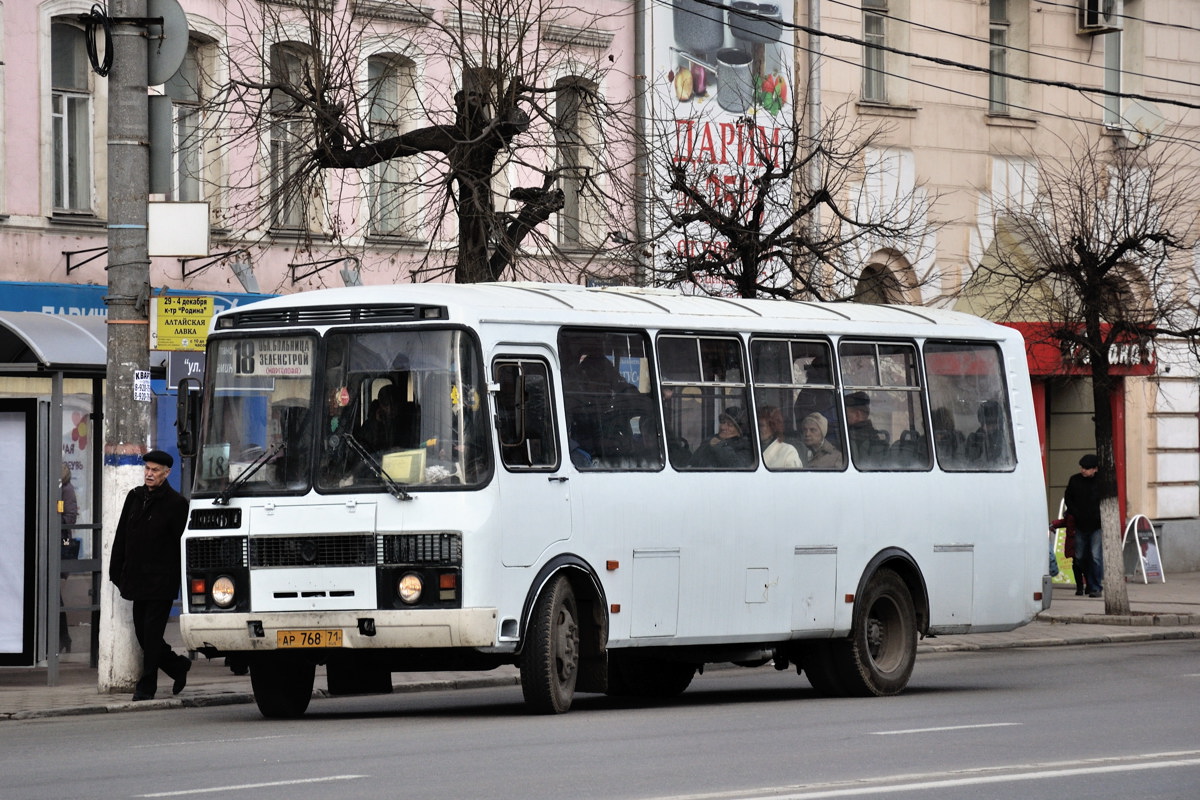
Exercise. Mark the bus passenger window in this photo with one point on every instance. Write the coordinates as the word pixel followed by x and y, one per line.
pixel 792 378
pixel 706 403
pixel 612 420
pixel 971 421
pixel 885 409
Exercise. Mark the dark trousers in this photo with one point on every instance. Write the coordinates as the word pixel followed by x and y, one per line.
pixel 149 624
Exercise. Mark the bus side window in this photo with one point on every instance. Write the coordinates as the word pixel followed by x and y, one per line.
pixel 612 420
pixel 885 407
pixel 706 402
pixel 972 424
pixel 793 385
pixel 525 415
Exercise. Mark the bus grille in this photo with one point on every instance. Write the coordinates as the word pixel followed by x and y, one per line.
pixel 217 552
pixel 352 550
pixel 332 315
pixel 437 548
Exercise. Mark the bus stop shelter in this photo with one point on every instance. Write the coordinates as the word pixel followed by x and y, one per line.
pixel 42 356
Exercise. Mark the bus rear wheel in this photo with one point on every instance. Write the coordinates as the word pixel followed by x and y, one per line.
pixel 881 652
pixel 550 658
pixel 282 686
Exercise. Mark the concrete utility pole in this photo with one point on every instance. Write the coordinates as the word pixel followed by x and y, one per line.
pixel 127 422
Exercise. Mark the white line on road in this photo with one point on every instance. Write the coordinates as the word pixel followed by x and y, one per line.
pixel 956 778
pixel 253 786
pixel 194 742
pixel 947 728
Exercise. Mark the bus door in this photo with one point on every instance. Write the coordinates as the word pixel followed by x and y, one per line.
pixel 534 508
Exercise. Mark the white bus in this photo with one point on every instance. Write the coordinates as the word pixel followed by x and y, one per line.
pixel 608 488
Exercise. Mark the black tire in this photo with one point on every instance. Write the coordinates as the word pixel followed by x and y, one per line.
pixel 879 657
pixel 282 686
pixel 822 666
pixel 632 676
pixel 550 657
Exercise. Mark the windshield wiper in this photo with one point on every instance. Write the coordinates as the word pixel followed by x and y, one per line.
pixel 223 498
pixel 395 489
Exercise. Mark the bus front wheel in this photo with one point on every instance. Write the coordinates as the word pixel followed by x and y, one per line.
pixel 882 648
pixel 550 658
pixel 282 686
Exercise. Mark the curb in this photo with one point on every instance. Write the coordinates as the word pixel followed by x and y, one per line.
pixel 242 698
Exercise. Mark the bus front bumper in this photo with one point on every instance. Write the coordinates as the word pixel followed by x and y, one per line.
pixel 367 629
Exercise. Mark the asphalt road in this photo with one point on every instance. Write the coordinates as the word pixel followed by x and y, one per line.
pixel 1103 721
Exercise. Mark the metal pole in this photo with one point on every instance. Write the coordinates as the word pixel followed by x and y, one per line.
pixel 128 422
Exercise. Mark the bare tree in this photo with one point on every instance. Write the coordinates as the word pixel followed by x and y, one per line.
pixel 1102 245
pixel 775 210
pixel 431 115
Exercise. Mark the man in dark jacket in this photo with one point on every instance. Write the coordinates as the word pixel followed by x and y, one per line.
pixel 145 568
pixel 1082 501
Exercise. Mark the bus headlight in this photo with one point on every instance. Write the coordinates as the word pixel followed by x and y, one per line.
pixel 409 587
pixel 223 592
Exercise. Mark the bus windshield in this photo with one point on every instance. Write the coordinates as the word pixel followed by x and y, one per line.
pixel 353 413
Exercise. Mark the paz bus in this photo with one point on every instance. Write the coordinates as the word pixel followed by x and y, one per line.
pixel 607 487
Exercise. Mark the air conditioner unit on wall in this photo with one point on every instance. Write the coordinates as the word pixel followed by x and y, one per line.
pixel 1101 16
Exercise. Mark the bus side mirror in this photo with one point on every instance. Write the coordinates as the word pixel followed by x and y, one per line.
pixel 187 407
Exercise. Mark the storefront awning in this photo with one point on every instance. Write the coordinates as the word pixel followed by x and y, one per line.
pixel 34 342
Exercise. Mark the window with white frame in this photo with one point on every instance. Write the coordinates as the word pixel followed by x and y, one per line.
pixel 576 134
pixel 71 118
pixel 186 93
pixel 875 19
pixel 1112 79
pixel 290 63
pixel 395 183
pixel 998 37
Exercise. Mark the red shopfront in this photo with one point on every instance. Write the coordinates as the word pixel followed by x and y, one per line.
pixel 1058 374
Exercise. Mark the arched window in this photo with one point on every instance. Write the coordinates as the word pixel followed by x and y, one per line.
pixel 877 285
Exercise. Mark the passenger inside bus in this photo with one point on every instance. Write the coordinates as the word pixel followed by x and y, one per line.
pixel 868 445
pixel 988 445
pixel 819 452
pixel 947 438
pixel 776 453
pixel 730 448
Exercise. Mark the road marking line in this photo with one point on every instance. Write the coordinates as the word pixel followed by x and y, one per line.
pixel 980 780
pixel 954 778
pixel 253 786
pixel 191 742
pixel 948 728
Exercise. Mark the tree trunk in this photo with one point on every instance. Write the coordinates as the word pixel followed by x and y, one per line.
pixel 1116 593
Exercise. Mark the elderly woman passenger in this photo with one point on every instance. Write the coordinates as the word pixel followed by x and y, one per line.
pixel 777 454
pixel 819 452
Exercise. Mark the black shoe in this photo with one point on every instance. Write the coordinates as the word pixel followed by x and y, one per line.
pixel 1095 594
pixel 140 696
pixel 181 678
pixel 1078 591
pixel 64 644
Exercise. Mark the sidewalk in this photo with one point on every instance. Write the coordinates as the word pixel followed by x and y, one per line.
pixel 1161 611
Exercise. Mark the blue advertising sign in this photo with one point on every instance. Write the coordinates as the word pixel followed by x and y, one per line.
pixel 87 300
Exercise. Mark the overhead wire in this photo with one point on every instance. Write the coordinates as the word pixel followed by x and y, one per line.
pixel 946 62
pixel 1013 49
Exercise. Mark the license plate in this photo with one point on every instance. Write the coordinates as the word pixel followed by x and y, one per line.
pixel 309 638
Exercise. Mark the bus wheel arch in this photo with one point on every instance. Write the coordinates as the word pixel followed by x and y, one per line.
pixel 891 609
pixel 566 593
